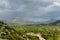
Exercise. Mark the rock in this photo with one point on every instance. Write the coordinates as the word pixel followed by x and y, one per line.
pixel 37 35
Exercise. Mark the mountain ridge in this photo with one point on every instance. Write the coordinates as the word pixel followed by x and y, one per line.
pixel 20 21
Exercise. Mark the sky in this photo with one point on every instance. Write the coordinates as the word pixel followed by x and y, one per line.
pixel 33 10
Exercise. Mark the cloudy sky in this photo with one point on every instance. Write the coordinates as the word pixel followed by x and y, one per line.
pixel 33 10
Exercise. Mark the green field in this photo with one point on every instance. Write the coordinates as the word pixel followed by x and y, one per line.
pixel 48 32
pixel 31 32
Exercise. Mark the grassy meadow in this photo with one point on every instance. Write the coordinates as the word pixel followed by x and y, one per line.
pixel 48 32
pixel 29 32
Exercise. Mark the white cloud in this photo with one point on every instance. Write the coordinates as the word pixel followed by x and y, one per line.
pixel 4 3
pixel 56 3
pixel 52 6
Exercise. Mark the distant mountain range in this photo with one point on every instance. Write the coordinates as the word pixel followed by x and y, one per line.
pixel 57 22
pixel 25 21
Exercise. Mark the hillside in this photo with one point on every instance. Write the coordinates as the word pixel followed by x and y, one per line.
pixel 57 22
pixel 8 33
pixel 29 32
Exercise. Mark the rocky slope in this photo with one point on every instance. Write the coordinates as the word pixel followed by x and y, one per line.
pixel 8 33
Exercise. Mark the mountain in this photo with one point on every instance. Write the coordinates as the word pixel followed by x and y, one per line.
pixel 49 21
pixel 20 21
pixel 57 22
pixel 15 21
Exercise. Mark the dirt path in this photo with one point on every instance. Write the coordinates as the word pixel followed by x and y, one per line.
pixel 37 35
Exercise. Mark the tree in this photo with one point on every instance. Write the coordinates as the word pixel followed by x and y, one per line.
pixel 2 23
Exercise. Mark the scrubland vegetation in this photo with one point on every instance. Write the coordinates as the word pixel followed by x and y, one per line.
pixel 48 32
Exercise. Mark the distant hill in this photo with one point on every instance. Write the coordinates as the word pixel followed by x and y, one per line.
pixel 20 21
pixel 57 22
pixel 15 21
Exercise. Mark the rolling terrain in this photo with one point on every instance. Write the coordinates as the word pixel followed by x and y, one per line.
pixel 29 32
